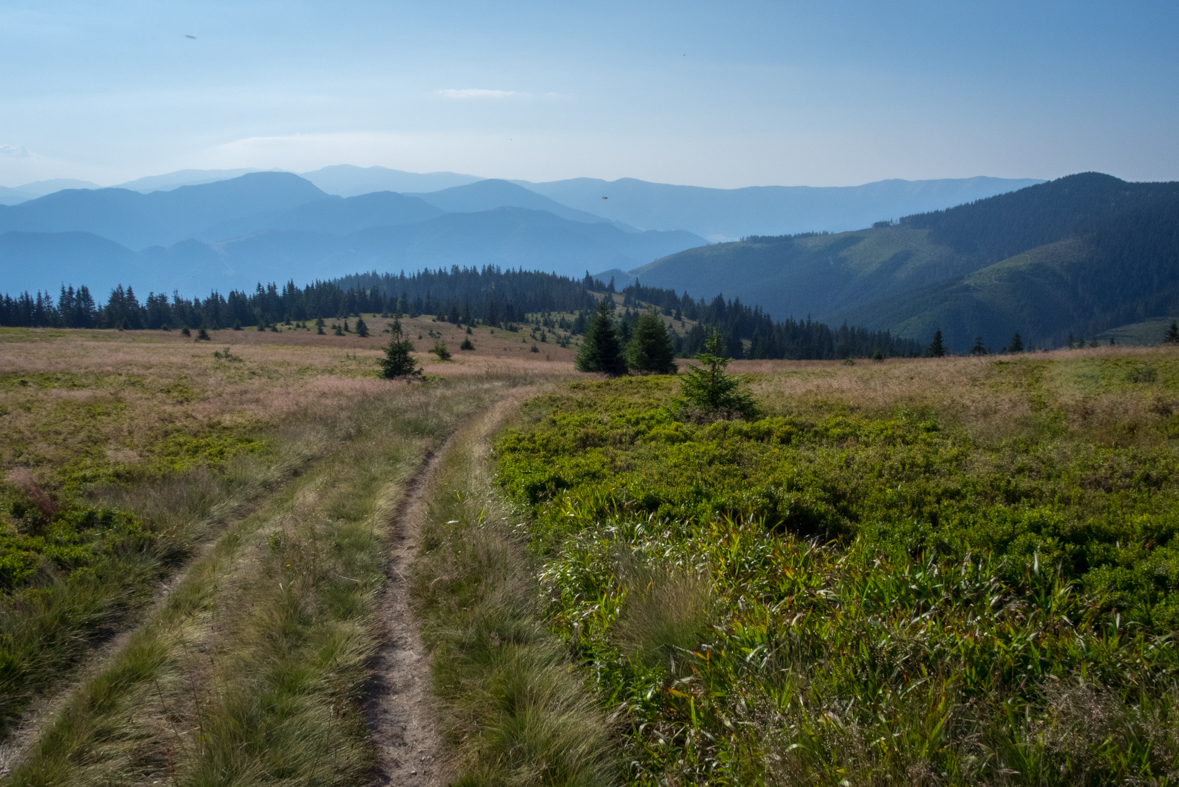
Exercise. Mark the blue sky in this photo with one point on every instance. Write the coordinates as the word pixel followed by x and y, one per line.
pixel 706 93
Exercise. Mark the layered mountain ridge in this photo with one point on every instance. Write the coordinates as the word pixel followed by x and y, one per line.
pixel 1083 254
pixel 198 230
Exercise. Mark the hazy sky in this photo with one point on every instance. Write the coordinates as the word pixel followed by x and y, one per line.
pixel 708 93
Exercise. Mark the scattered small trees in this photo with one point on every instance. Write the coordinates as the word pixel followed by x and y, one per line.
pixel 936 348
pixel 600 349
pixel 649 350
pixel 397 361
pixel 708 391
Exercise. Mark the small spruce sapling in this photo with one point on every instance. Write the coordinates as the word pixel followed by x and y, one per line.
pixel 467 344
pixel 1172 335
pixel 708 391
pixel 978 348
pixel 361 328
pixel 440 350
pixel 397 361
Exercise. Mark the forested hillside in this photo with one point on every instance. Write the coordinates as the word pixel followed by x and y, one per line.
pixel 1080 255
pixel 460 295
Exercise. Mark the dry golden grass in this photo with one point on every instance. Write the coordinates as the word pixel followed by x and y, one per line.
pixel 111 395
pixel 986 395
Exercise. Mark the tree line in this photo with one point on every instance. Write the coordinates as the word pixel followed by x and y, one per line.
pixel 468 296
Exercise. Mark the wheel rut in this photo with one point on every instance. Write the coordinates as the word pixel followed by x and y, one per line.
pixel 399 709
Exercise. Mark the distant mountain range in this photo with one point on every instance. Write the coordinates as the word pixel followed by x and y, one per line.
pixel 1083 254
pixel 714 214
pixel 345 180
pixel 729 214
pixel 275 226
pixel 197 229
pixel 19 194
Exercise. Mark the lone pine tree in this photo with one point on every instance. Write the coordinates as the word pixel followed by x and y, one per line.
pixel 936 348
pixel 397 361
pixel 649 350
pixel 1016 344
pixel 600 349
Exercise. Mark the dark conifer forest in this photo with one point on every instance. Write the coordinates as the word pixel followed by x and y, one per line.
pixel 465 296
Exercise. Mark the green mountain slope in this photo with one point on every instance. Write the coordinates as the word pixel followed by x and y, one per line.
pixel 1124 270
pixel 1081 254
pixel 810 274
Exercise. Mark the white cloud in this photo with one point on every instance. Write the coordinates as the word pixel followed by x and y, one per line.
pixel 14 151
pixel 471 92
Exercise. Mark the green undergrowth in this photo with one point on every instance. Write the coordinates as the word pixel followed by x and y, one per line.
pixel 514 712
pixel 884 593
pixel 70 572
pixel 87 532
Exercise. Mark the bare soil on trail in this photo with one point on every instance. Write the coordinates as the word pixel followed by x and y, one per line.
pixel 399 709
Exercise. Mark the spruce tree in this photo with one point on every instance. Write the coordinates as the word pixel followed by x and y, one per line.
pixel 650 350
pixel 397 361
pixel 1016 344
pixel 936 348
pixel 361 327
pixel 708 391
pixel 600 350
pixel 978 348
pixel 1172 336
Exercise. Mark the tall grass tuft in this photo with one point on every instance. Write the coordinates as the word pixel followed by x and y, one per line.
pixel 513 709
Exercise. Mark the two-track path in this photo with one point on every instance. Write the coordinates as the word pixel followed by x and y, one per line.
pixel 399 709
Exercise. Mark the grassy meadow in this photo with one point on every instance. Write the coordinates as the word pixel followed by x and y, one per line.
pixel 939 571
pixel 151 483
pixel 934 571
